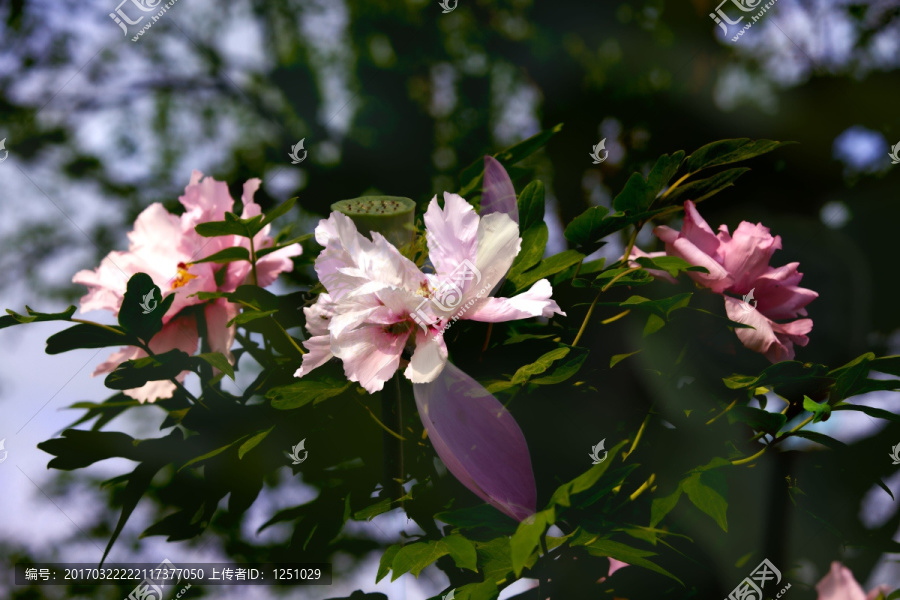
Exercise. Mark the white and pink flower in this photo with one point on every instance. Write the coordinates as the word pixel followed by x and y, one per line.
pixel 165 246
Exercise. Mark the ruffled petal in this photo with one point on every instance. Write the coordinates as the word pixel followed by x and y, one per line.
pixel 747 253
pixel 370 355
pixel 451 233
pixel 774 340
pixel 319 353
pixel 535 302
pixel 839 584
pixel 478 440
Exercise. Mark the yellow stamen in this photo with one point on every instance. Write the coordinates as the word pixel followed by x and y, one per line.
pixel 183 276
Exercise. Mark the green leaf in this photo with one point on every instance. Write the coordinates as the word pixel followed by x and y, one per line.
pixel 138 482
pixel 850 378
pixel 253 442
pixel 664 169
pixel 534 242
pixel 218 361
pixel 781 374
pixel 34 317
pixel 211 453
pixel 87 336
pixel 387 559
pixel 563 494
pixel 527 538
pixel 636 196
pixel 135 373
pixel 143 307
pixel 368 513
pixel 77 449
pixel 251 315
pixel 707 491
pixel 300 393
pixel 473 174
pixel 821 438
pixel 725 152
pixel 820 412
pixel 673 265
pixel 539 366
pixel 617 358
pixel 660 507
pixel 549 266
pixel 232 225
pixel 486 590
pixel 461 550
pixel 280 210
pixel 477 517
pixel 566 370
pixel 413 558
pixel 869 410
pixel 582 231
pixel 531 206
pixel 625 553
pixel 620 276
pixel 758 419
pixel 227 255
pixel 701 189
pixel 285 244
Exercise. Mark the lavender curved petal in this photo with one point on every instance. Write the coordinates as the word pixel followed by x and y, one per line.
pixel 478 440
pixel 498 193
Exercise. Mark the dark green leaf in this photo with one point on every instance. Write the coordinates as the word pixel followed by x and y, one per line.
pixel 143 307
pixel 77 448
pixel 869 410
pixel 527 538
pixel 701 189
pixel 34 317
pixel 617 358
pixel 217 361
pixel 820 412
pixel 583 229
pixel 625 553
pixel 253 442
pixel 660 507
pixel 87 336
pixel 301 393
pixel 707 491
pixel 636 196
pixel 531 206
pixel 138 482
pixel 725 152
pixel 759 420
pixel 563 494
pixel 282 209
pixel 534 241
pixel 227 255
pixel 821 438
pixel 664 169
pixel 135 373
pixel 251 315
pixel 566 370
pixel 549 266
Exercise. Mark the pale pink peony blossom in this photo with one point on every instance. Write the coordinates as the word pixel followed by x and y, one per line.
pixel 840 584
pixel 378 301
pixel 163 246
pixel 738 265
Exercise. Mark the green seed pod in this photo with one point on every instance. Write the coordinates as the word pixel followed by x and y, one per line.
pixel 391 216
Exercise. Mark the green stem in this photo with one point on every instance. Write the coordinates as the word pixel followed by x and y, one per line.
pixel 392 416
pixel 675 185
pixel 748 459
pixel 584 323
pixel 100 325
pixel 178 384
pixel 631 242
pixel 637 438
pixel 253 262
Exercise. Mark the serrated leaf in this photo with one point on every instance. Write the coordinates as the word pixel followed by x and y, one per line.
pixel 539 366
pixel 387 559
pixel 636 196
pixel 701 189
pixel 627 554
pixel 14 318
pixel 820 411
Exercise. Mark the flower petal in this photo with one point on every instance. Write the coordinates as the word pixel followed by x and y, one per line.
pixel 451 233
pixel 319 347
pixel 370 354
pixel 774 340
pixel 498 193
pixel 220 336
pixel 746 255
pixel 429 358
pixel 839 584
pixel 478 440
pixel 535 302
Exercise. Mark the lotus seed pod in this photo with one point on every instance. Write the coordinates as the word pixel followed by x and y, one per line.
pixel 391 216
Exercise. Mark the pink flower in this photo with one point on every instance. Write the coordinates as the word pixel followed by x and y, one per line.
pixel 164 247
pixel 739 265
pixel 840 584
pixel 378 301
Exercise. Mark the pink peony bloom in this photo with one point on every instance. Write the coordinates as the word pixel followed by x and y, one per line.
pixel 840 584
pixel 163 246
pixel 378 300
pixel 738 265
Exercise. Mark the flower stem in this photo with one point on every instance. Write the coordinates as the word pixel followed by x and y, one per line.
pixel 743 461
pixel 644 486
pixel 637 438
pixel 630 247
pixel 392 416
pixel 584 323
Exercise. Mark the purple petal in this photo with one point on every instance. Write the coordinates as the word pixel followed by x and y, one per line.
pixel 478 440
pixel 498 193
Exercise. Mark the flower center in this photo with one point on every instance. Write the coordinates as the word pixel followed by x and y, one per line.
pixel 183 276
